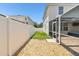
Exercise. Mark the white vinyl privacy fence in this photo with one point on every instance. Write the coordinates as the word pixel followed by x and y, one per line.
pixel 13 34
pixel 39 29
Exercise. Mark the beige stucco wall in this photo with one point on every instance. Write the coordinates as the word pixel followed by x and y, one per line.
pixel 13 35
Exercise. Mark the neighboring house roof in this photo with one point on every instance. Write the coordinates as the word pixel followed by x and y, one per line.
pixel 2 15
pixel 22 18
pixel 30 20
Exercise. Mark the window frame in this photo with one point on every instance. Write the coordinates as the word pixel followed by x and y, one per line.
pixel 60 10
pixel 65 26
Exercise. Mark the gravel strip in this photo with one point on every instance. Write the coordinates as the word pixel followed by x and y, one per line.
pixel 43 48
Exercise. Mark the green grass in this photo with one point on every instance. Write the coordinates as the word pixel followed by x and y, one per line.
pixel 40 35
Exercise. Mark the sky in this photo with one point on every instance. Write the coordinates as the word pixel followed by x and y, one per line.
pixel 34 10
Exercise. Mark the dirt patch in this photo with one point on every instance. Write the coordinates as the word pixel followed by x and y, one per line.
pixel 43 48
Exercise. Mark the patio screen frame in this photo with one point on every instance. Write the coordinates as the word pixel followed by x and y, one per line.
pixel 56 32
pixel 70 18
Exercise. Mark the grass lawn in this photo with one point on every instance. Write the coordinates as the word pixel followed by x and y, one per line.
pixel 40 35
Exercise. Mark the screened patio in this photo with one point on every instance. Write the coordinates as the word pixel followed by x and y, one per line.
pixel 65 25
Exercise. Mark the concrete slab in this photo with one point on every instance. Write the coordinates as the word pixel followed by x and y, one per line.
pixel 72 44
pixel 51 40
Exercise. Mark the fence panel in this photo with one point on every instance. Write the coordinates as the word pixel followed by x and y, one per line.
pixel 19 33
pixel 39 29
pixel 13 35
pixel 3 36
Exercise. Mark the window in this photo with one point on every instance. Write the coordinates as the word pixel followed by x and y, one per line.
pixel 75 24
pixel 65 26
pixel 60 11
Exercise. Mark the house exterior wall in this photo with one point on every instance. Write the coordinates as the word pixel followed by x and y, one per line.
pixel 74 28
pixel 71 28
pixel 52 12
pixel 73 13
pixel 46 25
pixel 53 9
